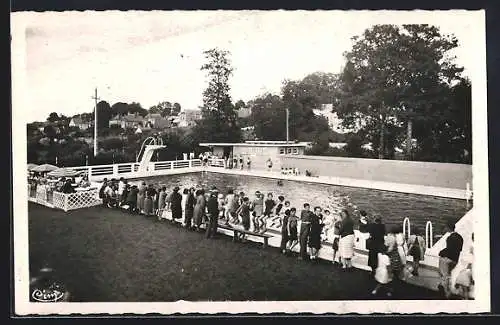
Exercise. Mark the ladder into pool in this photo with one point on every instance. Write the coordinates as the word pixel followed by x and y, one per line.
pixel 429 235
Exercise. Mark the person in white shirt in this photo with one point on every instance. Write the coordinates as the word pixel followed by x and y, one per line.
pixel 121 186
pixel 109 192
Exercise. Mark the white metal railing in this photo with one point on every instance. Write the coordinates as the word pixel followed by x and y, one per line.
pixel 116 170
pixel 163 165
pixel 429 239
pixel 216 162
pixel 180 164
pixel 406 228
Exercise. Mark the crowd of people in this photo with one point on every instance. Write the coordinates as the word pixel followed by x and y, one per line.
pixel 309 230
pixel 65 185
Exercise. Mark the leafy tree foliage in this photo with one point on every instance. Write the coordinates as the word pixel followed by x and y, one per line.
pixel 219 121
pixel 104 114
pixel 393 77
pixel 53 117
pixel 176 109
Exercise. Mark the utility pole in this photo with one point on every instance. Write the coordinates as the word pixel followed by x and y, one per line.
pixel 287 133
pixel 95 122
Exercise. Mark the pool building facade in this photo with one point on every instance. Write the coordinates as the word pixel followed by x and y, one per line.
pixel 258 151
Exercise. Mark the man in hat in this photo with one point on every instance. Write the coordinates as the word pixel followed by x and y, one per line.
pixel 213 213
pixel 176 204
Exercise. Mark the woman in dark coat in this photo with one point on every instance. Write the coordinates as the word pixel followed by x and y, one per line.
pixel 315 233
pixel 132 199
pixel 176 204
pixel 375 242
pixel 189 208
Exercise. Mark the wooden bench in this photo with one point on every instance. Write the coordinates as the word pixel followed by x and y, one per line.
pixel 237 231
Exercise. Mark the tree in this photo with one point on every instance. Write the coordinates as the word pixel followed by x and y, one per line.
pixel 176 109
pixel 53 117
pixel 137 108
pixel 447 137
pixel 154 110
pixel 50 132
pixel 268 117
pixel 393 76
pixel 353 147
pixel 239 104
pixel 119 109
pixel 301 99
pixel 104 114
pixel 219 118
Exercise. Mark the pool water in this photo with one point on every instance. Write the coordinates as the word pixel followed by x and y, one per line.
pixel 391 206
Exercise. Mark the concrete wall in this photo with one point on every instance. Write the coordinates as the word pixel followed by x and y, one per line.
pixel 408 172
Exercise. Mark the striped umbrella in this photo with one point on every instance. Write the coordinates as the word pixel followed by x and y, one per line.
pixel 63 172
pixel 31 166
pixel 44 168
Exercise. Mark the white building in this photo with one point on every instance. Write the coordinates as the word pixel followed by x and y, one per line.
pixel 244 112
pixel 188 117
pixel 334 122
pixel 258 151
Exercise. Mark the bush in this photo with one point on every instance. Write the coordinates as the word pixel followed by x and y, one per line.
pixel 353 147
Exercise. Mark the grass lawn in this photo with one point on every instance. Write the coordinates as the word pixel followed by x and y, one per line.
pixel 105 255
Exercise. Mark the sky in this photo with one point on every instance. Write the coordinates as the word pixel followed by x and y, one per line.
pixel 155 56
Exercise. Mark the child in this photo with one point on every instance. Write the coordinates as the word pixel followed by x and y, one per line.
pixel 231 204
pixel 245 216
pixel 383 274
pixel 462 274
pixel 397 265
pixel 257 210
pixel 327 224
pixel 336 239
pixel 292 223
pixel 416 250
pixel 276 220
pixel 269 204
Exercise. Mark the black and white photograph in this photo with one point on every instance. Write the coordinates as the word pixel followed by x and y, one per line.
pixel 250 161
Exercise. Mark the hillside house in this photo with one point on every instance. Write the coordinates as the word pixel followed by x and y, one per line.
pixel 80 123
pixel 188 117
pixel 156 121
pixel 129 121
pixel 244 112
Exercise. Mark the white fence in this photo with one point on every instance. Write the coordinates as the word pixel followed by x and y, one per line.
pixel 131 170
pixel 45 195
pixel 78 200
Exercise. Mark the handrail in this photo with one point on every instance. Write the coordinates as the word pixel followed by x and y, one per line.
pixel 143 146
pixel 429 240
pixel 468 195
pixel 406 225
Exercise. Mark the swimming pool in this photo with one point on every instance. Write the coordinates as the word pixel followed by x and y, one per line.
pixel 392 206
